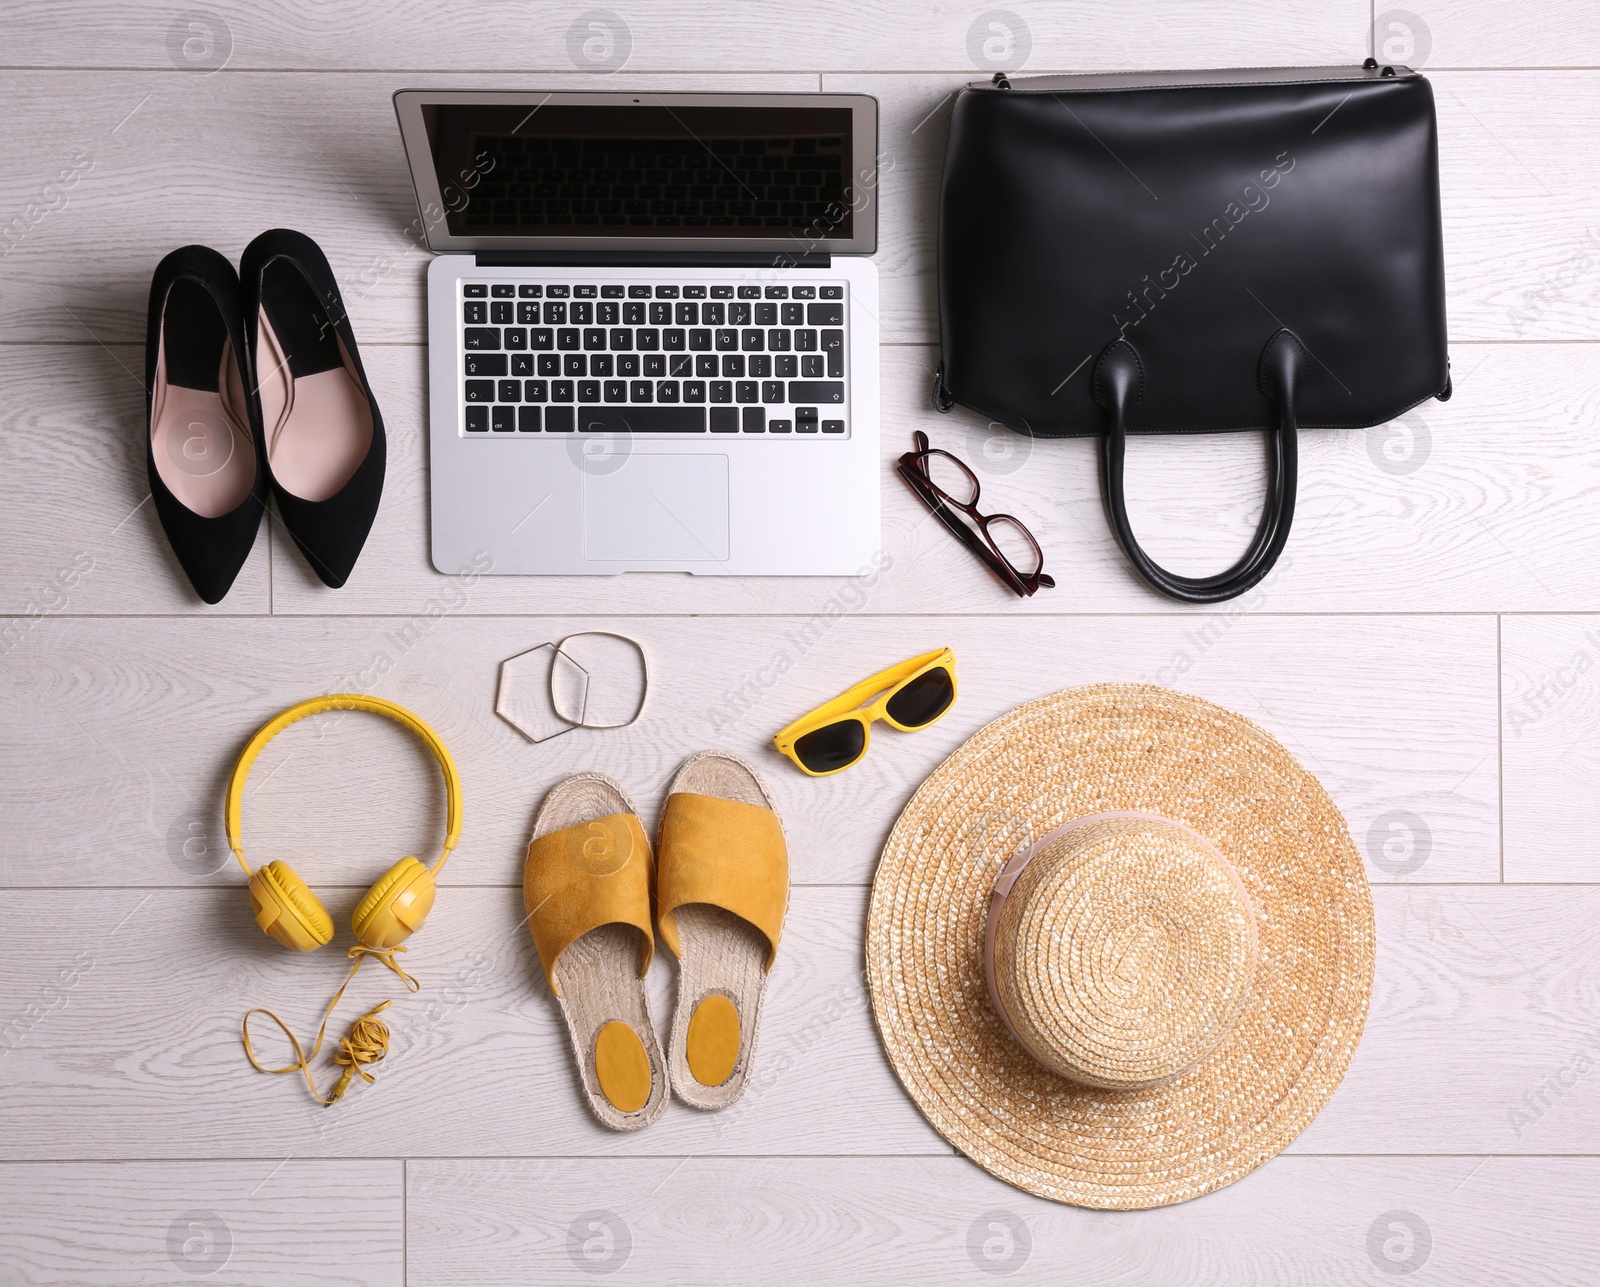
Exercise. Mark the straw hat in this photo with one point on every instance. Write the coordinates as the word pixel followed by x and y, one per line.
pixel 1120 947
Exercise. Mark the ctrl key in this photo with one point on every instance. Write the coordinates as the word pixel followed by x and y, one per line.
pixel 478 419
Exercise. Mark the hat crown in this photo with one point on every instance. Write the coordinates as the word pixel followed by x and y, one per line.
pixel 1124 951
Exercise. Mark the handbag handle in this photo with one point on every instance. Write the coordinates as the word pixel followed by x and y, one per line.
pixel 1119 384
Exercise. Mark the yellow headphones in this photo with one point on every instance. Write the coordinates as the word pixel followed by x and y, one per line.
pixel 397 903
pixel 388 913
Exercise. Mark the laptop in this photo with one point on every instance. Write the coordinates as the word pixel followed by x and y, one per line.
pixel 652 330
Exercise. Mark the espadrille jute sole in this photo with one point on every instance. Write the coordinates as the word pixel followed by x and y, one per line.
pixel 722 966
pixel 597 976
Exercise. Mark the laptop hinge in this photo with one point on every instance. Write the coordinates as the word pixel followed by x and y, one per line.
pixel 651 259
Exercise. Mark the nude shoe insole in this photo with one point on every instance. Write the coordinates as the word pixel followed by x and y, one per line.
pixel 722 965
pixel 198 433
pixel 318 422
pixel 598 988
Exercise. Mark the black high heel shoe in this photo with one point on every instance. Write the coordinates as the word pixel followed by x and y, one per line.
pixel 200 445
pixel 322 437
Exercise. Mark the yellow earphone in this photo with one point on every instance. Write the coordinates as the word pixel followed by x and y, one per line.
pixel 388 913
pixel 397 903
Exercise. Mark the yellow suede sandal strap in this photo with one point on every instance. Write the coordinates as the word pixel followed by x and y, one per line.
pixel 725 853
pixel 581 877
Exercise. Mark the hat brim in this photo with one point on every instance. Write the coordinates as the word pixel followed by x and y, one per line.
pixel 1099 749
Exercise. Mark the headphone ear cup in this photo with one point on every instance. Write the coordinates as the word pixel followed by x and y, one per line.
pixel 396 905
pixel 286 908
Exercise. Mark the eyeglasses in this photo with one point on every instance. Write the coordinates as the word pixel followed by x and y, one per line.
pixel 909 696
pixel 946 486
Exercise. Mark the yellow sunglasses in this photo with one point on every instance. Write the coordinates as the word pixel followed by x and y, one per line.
pixel 909 696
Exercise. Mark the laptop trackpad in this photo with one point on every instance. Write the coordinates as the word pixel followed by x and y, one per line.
pixel 656 509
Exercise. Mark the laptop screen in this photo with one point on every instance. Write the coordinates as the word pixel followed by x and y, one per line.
pixel 737 172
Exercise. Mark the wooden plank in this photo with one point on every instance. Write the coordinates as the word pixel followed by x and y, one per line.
pixel 716 38
pixel 1550 740
pixel 1482 1036
pixel 113 769
pixel 1512 155
pixel 1459 1221
pixel 270 1220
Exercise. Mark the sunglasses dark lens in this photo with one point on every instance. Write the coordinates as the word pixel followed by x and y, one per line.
pixel 832 747
pixel 923 700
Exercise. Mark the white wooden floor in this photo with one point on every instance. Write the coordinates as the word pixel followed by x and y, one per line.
pixel 1430 647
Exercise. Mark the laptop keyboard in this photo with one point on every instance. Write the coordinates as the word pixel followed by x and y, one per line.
pixel 579 357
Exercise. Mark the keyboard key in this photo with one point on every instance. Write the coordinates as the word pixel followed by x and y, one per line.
pixel 486 363
pixel 674 340
pixel 474 313
pixel 833 292
pixel 530 292
pixel 607 314
pixel 724 419
pixel 557 292
pixel 583 292
pixel 509 390
pixel 816 391
pixel 805 341
pixel 804 292
pixel 699 340
pixel 504 420
pixel 654 363
pixel 714 314
pixel 543 338
pixel 600 364
pixel 482 337
pixel 644 420
pixel 752 340
pixel 727 340
pixel 805 415
pixel 594 337
pixel 521 364
pixel 824 314
pixel 555 314
pixel 566 338
pixel 749 292
pixel 527 314
pixel 811 366
pixel 588 391
pixel 666 292
pixel 633 314
pixel 628 364
pixel 621 340
pixel 722 292
pixel 611 292
pixel 666 391
pixel 558 420
pixel 833 346
pixel 780 426
pixel 694 390
pixel 661 315
pixel 582 314
pixel 549 364
pixel 778 341
pixel 535 391
pixel 805 426
pixel 746 390
pixel 686 314
pixel 753 419
pixel 561 391
pixel 785 367
pixel 640 391
pixel 733 366
pixel 760 366
pixel 777 292
pixel 833 426
pixel 738 315
pixel 771 391
pixel 721 391
pixel 502 313
pixel 574 364
pixel 638 292
pixel 528 419
pixel 766 314
pixel 705 365
pixel 515 337
pixel 616 390
pixel 477 419
pixel 503 292
pixel 474 290
pixel 694 292
pixel 647 339
pixel 680 365
pixel 793 314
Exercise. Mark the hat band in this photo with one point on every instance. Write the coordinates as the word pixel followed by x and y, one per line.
pixel 1018 863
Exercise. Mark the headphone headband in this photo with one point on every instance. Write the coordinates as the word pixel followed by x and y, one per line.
pixel 344 702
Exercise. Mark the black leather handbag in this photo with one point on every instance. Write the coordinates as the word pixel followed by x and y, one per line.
pixel 1193 252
